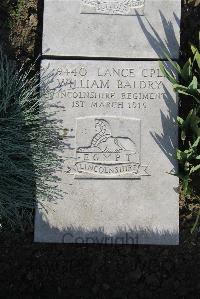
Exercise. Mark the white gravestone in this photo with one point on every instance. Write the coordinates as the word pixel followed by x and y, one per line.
pixel 111 28
pixel 119 150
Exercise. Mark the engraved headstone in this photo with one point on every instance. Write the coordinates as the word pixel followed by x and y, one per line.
pixel 119 151
pixel 118 121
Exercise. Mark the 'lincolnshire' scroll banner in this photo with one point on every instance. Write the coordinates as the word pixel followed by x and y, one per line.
pixel 121 170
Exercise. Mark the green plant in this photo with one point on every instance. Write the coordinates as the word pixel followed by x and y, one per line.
pixel 187 83
pixel 193 2
pixel 29 145
pixel 189 156
pixel 188 74
pixel 12 11
pixel 17 9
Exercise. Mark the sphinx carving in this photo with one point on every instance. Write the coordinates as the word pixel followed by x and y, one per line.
pixel 104 142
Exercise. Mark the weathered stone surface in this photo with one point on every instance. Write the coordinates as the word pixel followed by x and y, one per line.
pixel 120 145
pixel 70 31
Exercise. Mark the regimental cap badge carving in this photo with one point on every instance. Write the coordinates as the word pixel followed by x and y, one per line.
pixel 107 147
pixel 121 7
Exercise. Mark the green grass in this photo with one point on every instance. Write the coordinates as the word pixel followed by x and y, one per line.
pixel 29 145
pixel 16 10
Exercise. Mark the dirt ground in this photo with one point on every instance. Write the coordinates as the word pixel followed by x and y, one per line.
pixel 29 270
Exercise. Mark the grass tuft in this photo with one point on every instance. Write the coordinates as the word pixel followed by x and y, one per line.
pixel 29 144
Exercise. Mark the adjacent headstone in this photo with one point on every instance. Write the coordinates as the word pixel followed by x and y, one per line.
pixel 120 119
pixel 104 33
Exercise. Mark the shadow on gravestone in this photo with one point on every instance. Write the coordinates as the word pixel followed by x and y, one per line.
pixel 154 39
pixel 78 235
pixel 165 141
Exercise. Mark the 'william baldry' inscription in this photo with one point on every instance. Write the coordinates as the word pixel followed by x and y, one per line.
pixel 111 88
